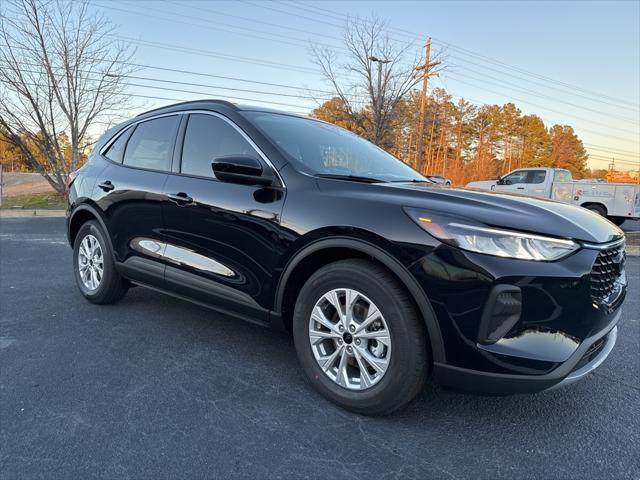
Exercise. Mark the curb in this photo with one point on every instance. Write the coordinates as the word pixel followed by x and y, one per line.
pixel 28 212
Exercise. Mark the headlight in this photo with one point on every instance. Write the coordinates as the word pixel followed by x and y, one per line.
pixel 493 241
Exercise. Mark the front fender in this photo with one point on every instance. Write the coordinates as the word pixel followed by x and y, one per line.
pixel 366 243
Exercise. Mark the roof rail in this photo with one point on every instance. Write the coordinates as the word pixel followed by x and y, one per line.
pixel 221 102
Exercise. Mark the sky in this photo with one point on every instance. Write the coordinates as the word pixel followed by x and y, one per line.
pixel 573 62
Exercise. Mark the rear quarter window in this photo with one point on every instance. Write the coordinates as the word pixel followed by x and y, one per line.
pixel 116 151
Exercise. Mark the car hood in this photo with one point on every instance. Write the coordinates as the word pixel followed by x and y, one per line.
pixel 510 211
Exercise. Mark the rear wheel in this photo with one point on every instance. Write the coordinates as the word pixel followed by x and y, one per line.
pixel 359 338
pixel 618 220
pixel 94 267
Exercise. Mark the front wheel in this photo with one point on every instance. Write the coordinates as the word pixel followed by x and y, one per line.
pixel 94 267
pixel 359 338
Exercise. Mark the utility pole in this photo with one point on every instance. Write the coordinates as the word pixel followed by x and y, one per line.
pixel 423 72
pixel 611 172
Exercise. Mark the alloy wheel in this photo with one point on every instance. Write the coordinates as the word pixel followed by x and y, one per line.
pixel 350 339
pixel 90 262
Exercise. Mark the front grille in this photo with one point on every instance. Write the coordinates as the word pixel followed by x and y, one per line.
pixel 606 270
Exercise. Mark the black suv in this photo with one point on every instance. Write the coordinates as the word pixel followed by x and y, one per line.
pixel 383 277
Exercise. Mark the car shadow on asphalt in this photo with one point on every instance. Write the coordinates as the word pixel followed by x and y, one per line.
pixel 235 341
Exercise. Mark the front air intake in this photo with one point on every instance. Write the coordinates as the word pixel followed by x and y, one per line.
pixel 501 312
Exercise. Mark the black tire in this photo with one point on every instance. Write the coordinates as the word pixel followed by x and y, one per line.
pixel 618 220
pixel 597 209
pixel 112 286
pixel 409 363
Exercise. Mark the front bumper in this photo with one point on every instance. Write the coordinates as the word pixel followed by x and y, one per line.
pixel 593 363
pixel 587 357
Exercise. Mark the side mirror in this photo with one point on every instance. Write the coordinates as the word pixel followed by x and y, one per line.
pixel 241 169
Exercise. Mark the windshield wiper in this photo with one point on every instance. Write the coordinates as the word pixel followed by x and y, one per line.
pixel 353 178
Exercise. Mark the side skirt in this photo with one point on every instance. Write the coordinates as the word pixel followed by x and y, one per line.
pixel 215 308
pixel 193 288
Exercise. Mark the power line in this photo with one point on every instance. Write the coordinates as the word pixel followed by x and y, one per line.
pixel 271 93
pixel 192 84
pixel 203 93
pixel 544 120
pixel 256 82
pixel 289 13
pixel 555 111
pixel 541 77
pixel 199 93
pixel 209 53
pixel 530 91
pixel 618 159
pixel 200 74
pixel 516 99
pixel 169 89
pixel 147 14
pixel 519 88
pixel 239 17
pixel 285 39
pixel 612 150
pixel 537 94
pixel 484 66
pixel 218 87
pixel 416 37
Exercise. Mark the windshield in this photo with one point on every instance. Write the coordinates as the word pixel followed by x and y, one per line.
pixel 326 150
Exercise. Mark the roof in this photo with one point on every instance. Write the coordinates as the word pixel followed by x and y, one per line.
pixel 204 103
pixel 193 103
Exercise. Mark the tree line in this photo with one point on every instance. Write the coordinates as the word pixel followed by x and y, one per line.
pixel 466 142
pixel 375 96
pixel 14 159
pixel 60 74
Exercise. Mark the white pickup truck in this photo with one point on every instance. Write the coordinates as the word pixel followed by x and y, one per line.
pixel 616 201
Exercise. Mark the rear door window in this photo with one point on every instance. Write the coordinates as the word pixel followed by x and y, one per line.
pixel 562 176
pixel 536 176
pixel 151 144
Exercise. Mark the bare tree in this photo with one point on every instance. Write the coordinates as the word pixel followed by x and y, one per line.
pixel 374 76
pixel 60 73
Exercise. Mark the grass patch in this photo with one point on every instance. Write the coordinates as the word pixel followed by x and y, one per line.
pixel 44 201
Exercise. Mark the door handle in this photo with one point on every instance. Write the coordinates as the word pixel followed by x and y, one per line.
pixel 180 198
pixel 520 188
pixel 107 186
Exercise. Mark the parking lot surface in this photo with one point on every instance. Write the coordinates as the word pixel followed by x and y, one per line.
pixel 156 388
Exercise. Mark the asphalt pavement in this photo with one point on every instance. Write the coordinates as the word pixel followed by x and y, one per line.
pixel 156 388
